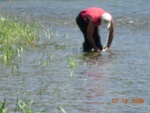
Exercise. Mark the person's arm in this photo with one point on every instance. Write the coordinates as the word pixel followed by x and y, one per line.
pixel 90 30
pixel 110 37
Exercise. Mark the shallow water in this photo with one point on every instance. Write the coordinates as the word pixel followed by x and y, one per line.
pixel 43 73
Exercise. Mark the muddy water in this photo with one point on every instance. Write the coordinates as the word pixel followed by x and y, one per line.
pixel 42 72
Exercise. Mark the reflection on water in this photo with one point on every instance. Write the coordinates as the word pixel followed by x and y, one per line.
pixel 42 71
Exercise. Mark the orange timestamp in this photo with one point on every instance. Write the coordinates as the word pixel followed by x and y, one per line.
pixel 128 101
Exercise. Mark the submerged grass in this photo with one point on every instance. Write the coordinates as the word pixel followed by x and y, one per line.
pixel 22 106
pixel 71 64
pixel 14 34
pixel 2 108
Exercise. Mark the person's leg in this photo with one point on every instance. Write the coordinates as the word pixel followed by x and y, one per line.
pixel 97 38
pixel 83 27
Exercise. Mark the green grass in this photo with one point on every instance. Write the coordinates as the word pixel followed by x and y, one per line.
pixel 22 106
pixel 14 34
pixel 71 64
pixel 2 108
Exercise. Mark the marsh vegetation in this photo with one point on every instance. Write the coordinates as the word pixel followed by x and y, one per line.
pixel 14 35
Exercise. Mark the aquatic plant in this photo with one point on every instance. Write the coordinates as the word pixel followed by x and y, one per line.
pixel 22 106
pixel 47 33
pixel 66 35
pixel 45 61
pixel 14 34
pixel 60 108
pixel 3 109
pixel 25 105
pixel 71 64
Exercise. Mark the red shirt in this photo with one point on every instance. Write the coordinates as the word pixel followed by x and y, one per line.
pixel 94 12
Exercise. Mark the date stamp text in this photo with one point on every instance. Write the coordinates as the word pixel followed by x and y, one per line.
pixel 128 101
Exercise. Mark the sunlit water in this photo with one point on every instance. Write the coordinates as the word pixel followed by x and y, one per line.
pixel 42 72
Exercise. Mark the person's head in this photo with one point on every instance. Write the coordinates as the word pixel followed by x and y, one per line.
pixel 106 19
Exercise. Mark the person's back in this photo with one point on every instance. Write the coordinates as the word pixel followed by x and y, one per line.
pixel 94 12
pixel 88 21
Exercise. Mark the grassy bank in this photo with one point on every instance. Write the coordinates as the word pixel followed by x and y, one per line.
pixel 14 34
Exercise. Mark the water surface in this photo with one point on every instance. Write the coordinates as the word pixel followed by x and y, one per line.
pixel 43 73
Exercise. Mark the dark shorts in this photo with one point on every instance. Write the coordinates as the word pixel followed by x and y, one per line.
pixel 83 27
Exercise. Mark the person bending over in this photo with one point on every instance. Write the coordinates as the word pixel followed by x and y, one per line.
pixel 88 21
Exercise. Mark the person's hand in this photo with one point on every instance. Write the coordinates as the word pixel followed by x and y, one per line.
pixel 97 50
pixel 106 49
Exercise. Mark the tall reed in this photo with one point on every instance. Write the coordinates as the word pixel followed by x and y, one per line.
pixel 14 34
